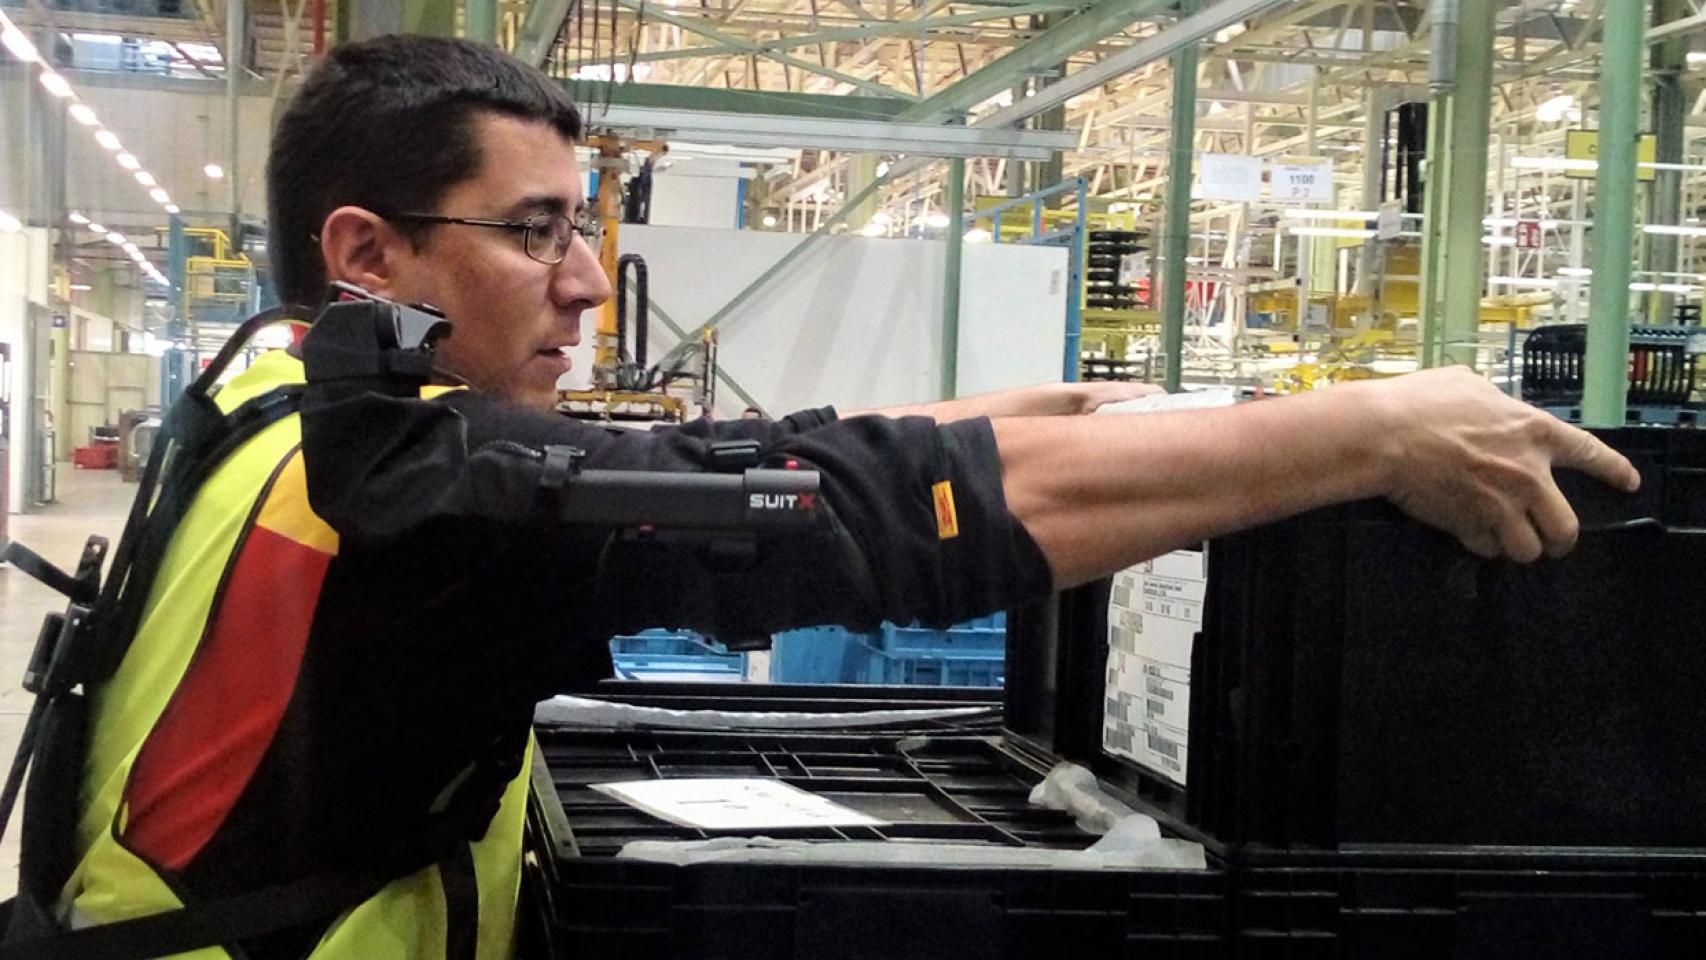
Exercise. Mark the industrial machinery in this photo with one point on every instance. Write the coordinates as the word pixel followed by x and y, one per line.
pixel 624 388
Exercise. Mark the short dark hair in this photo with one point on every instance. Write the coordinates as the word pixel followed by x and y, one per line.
pixel 385 124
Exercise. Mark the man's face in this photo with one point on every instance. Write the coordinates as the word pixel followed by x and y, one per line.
pixel 511 315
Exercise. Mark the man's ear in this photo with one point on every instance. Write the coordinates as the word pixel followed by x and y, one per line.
pixel 363 248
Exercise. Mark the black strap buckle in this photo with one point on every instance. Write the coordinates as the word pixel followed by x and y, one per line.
pixel 80 587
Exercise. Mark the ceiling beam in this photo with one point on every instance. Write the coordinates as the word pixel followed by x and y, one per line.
pixel 745 46
pixel 1045 52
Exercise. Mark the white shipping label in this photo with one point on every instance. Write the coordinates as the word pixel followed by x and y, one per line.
pixel 737 803
pixel 1154 613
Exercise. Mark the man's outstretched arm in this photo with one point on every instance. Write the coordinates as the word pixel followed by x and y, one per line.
pixel 1100 493
pixel 1042 400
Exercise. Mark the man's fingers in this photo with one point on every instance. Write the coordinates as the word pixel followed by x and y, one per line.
pixel 1518 540
pixel 1481 543
pixel 1555 520
pixel 1580 450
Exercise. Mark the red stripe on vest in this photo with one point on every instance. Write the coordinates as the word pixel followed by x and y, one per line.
pixel 222 718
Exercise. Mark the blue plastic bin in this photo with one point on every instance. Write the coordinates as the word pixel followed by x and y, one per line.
pixel 969 655
pixel 674 655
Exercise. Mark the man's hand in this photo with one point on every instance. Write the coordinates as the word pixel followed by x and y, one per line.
pixel 1472 461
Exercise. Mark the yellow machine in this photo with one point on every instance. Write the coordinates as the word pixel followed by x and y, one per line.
pixel 621 383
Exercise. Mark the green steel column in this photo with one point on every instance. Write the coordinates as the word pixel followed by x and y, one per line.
pixel 1669 112
pixel 435 17
pixel 1605 390
pixel 951 279
pixel 1462 258
pixel 1176 231
pixel 1435 186
pixel 480 20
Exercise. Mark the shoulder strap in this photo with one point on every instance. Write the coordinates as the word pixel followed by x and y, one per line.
pixel 229 920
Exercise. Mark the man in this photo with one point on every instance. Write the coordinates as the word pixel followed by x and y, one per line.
pixel 342 650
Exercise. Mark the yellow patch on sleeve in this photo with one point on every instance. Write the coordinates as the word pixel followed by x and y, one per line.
pixel 947 518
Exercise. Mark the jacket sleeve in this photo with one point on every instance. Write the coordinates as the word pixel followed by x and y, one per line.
pixel 918 524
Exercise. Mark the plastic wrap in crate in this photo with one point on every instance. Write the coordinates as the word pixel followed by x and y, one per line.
pixel 673 654
pixel 962 789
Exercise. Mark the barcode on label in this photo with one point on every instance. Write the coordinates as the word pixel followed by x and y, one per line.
pixel 1166 748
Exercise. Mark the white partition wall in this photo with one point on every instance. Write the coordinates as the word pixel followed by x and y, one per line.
pixel 854 322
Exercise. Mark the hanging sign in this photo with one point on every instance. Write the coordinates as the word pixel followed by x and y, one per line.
pixel 1390 223
pixel 1305 179
pixel 1230 176
pixel 1583 145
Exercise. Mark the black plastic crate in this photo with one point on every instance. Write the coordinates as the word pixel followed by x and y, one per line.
pixel 1468 905
pixel 1362 681
pixel 935 783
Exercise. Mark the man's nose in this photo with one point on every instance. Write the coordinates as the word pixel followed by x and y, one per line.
pixel 580 277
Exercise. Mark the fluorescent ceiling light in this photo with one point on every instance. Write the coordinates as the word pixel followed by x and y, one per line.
pixel 16 42
pixel 131 247
pixel 1499 241
pixel 55 84
pixel 1575 271
pixel 1364 215
pixel 107 138
pixel 172 208
pixel 117 239
pixel 1343 233
pixel 882 217
pixel 77 218
pixel 936 221
pixel 214 171
pixel 1561 107
pixel 128 160
pixel 1538 282
pixel 1697 56
pixel 1552 163
pixel 9 223
pixel 978 235
pixel 769 220
pixel 1667 230
pixel 82 113
pixel 145 178
pixel 80 287
pixel 159 195
pixel 873 229
pixel 97 228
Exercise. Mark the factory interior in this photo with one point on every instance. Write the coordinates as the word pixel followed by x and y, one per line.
pixel 1310 726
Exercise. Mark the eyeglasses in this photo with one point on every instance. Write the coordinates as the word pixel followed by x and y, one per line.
pixel 546 237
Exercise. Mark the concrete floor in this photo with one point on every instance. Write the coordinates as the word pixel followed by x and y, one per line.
pixel 90 502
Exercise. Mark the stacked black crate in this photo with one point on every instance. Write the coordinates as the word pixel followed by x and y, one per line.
pixel 1398 749
pixel 1102 287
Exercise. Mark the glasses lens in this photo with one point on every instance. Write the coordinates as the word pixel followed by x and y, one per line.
pixel 548 239
pixel 590 227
